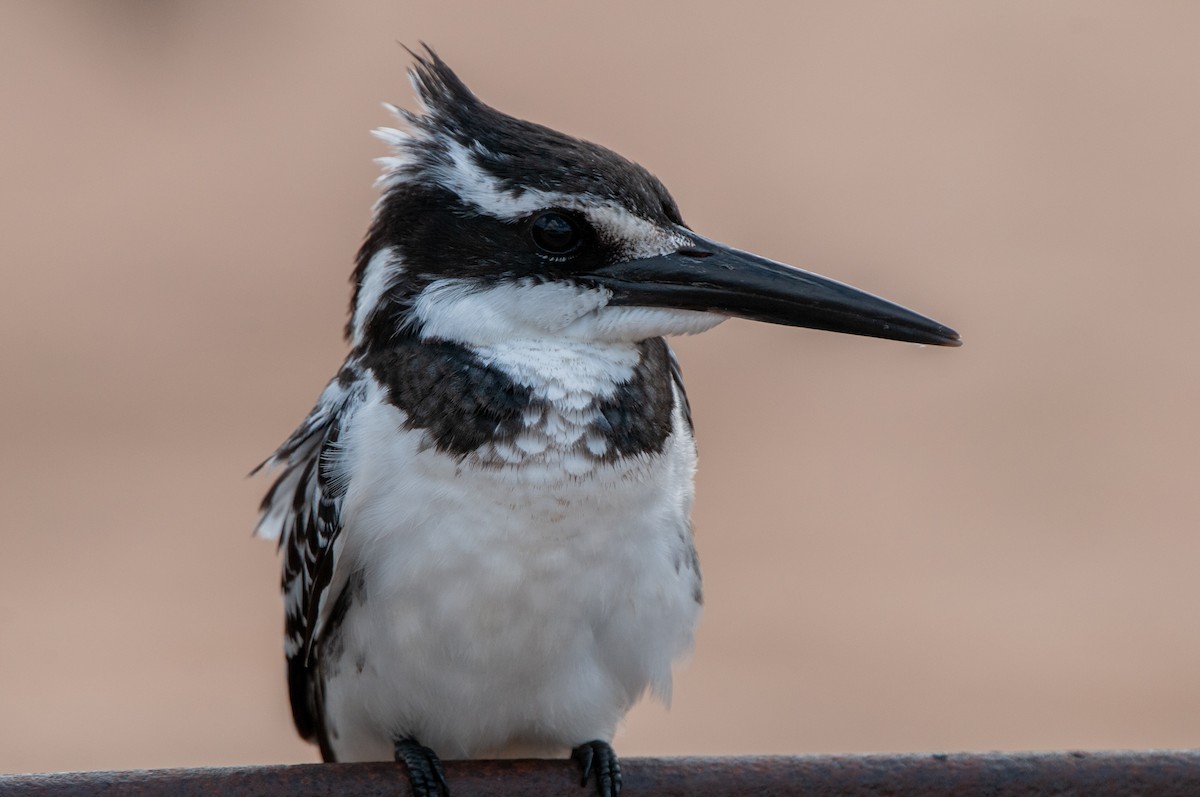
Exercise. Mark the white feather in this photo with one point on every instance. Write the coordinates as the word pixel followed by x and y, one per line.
pixel 460 310
pixel 520 607
pixel 381 273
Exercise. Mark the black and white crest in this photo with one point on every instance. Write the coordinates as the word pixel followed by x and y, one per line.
pixel 463 191
pixel 520 156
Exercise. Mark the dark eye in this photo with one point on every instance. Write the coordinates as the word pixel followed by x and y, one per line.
pixel 556 233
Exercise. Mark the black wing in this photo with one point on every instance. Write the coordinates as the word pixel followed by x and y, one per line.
pixel 303 510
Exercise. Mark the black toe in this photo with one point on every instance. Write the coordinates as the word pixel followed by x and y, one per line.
pixel 425 773
pixel 598 757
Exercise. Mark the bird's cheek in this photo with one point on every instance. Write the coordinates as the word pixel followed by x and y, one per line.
pixel 630 324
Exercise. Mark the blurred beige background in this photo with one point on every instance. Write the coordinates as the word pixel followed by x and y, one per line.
pixel 904 548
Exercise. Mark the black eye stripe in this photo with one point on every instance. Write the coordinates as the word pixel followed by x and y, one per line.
pixel 558 233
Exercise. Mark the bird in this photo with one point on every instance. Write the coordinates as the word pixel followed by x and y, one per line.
pixel 484 521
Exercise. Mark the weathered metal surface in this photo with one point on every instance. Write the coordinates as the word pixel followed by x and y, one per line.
pixel 1116 774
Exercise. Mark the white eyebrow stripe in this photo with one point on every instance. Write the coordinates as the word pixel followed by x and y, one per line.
pixel 637 237
pixel 465 178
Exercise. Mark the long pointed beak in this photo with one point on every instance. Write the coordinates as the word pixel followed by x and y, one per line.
pixel 709 276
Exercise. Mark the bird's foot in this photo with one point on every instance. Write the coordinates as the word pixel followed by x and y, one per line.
pixel 598 757
pixel 425 774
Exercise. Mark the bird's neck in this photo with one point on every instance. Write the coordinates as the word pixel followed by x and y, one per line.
pixel 527 400
pixel 563 372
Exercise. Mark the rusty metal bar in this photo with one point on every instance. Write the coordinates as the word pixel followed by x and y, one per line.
pixel 1104 774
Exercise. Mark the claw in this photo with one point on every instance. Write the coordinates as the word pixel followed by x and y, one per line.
pixel 599 757
pixel 425 774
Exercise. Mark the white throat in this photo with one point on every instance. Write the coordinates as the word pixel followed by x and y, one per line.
pixel 461 310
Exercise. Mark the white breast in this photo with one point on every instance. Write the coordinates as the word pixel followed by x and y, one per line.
pixel 523 605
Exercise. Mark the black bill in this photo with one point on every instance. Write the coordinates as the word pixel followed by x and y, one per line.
pixel 709 276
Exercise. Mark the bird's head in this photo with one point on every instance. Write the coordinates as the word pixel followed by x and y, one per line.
pixel 491 229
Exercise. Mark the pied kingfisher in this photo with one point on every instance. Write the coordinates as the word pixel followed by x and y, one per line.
pixel 484 521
